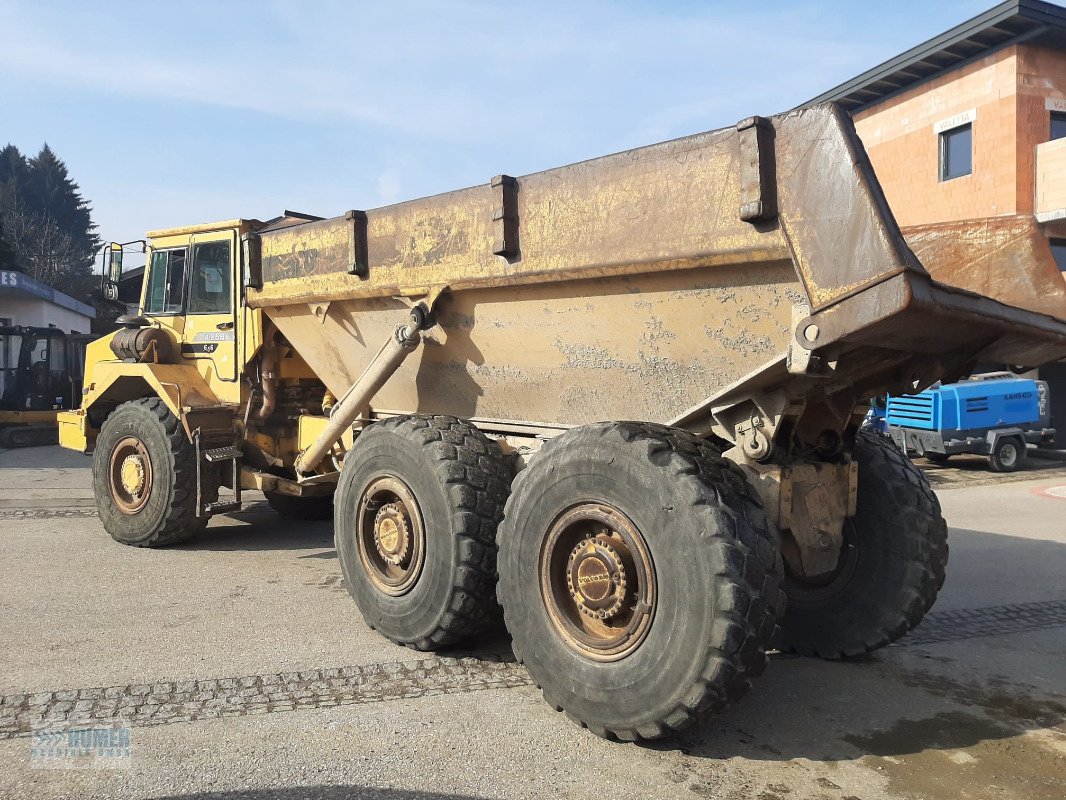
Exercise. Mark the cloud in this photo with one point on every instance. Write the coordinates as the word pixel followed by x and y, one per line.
pixel 457 71
pixel 248 107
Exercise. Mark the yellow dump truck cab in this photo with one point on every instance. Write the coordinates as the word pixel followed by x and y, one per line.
pixel 175 378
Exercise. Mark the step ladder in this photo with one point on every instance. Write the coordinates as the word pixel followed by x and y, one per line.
pixel 217 455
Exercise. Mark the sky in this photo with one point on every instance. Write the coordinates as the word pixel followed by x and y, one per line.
pixel 176 113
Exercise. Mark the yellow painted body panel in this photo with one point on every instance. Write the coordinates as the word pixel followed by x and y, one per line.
pixel 205 227
pixel 73 430
pixel 179 386
pixel 27 417
pixel 310 428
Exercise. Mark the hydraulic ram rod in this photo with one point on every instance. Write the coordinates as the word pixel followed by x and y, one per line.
pixel 404 341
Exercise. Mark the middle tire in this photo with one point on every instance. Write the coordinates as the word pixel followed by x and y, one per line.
pixel 639 578
pixel 308 509
pixel 415 519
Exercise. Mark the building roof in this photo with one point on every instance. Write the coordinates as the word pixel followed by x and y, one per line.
pixel 20 284
pixel 1008 23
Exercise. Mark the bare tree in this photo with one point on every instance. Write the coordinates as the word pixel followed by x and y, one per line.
pixel 42 249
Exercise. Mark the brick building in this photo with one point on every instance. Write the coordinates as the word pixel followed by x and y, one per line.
pixel 971 125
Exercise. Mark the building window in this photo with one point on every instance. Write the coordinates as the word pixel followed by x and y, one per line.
pixel 1058 124
pixel 1058 249
pixel 956 152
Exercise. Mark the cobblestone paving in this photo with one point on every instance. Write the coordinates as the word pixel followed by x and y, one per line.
pixel 974 471
pixel 185 701
pixel 52 512
pixel 947 626
pixel 47 513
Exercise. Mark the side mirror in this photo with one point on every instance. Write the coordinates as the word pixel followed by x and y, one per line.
pixel 112 270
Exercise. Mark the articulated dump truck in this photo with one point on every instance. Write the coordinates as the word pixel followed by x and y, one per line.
pixel 619 399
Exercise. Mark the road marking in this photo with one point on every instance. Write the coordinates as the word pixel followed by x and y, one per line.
pixel 1058 492
pixel 186 701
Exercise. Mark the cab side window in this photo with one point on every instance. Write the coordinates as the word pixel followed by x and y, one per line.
pixel 209 288
pixel 166 281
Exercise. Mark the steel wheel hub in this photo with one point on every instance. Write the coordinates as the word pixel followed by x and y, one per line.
pixel 597 581
pixel 392 537
pixel 597 578
pixel 130 475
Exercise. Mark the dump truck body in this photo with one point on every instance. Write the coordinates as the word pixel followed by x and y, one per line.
pixel 738 292
pixel 636 289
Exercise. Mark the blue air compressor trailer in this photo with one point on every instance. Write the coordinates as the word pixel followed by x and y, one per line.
pixel 996 415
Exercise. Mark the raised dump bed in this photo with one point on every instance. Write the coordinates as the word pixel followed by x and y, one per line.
pixel 652 367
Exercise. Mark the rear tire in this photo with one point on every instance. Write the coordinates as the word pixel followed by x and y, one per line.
pixel 660 509
pixel 892 563
pixel 309 509
pixel 415 522
pixel 144 476
pixel 1008 455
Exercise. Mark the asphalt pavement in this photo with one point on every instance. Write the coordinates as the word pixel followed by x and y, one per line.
pixel 243 670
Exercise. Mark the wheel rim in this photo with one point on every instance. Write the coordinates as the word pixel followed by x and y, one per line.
pixel 391 535
pixel 597 581
pixel 130 475
pixel 1008 455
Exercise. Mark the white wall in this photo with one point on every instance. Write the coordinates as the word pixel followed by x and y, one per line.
pixel 41 314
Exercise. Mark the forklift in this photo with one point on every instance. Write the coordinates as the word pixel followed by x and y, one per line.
pixel 41 373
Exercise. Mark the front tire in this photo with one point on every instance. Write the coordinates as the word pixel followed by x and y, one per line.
pixel 892 563
pixel 415 524
pixel 1008 455
pixel 639 578
pixel 144 476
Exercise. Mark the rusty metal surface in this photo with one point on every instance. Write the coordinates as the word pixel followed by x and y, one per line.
pixel 640 346
pixel 674 205
pixel 1005 258
pixel 662 283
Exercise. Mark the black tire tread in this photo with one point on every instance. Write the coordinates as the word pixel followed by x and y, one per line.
pixel 747 586
pixel 181 522
pixel 921 542
pixel 309 509
pixel 472 469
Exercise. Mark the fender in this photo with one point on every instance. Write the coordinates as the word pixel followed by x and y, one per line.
pixel 993 436
pixel 180 386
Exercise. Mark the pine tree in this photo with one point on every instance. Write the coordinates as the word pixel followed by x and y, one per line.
pixel 46 221
pixel 13 170
pixel 50 191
